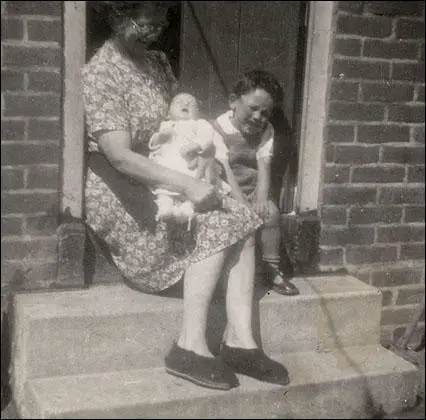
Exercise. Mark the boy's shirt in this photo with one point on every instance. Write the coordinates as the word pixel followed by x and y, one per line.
pixel 242 155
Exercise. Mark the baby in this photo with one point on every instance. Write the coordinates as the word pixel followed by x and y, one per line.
pixel 184 143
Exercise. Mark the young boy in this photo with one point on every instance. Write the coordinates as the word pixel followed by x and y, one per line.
pixel 246 154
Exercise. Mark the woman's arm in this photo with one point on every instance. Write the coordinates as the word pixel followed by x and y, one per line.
pixel 116 147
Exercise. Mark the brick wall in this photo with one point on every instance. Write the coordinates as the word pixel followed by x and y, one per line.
pixel 31 48
pixel 373 221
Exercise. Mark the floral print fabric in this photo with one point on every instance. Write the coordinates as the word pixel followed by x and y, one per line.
pixel 118 96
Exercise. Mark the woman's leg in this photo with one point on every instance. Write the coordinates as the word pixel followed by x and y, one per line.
pixel 240 351
pixel 199 284
pixel 239 296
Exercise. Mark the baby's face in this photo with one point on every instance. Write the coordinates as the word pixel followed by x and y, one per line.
pixel 184 107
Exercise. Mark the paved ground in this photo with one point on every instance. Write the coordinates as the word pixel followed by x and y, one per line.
pixel 418 358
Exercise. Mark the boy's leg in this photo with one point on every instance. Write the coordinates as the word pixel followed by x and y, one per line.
pixel 270 246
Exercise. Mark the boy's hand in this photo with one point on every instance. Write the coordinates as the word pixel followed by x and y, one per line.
pixel 261 207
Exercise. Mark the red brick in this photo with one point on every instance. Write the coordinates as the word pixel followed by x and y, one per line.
pixel 329 152
pixel 11 226
pixel 370 254
pixel 12 179
pixel 397 154
pixel 420 94
pixel 413 72
pixel 24 56
pixel 372 215
pixel 44 30
pixel 43 177
pixel 419 134
pixel 41 225
pixel 350 47
pixel 339 195
pixel 397 316
pixel 37 249
pixel 12 130
pixel 407 113
pixel 413 251
pixel 383 133
pixel 390 49
pixel 386 92
pixel 392 277
pixel 345 91
pixel 416 173
pixel 378 174
pixel 410 29
pixel 342 111
pixel 366 70
pixel 355 7
pixel 387 234
pixel 39 274
pixel 331 256
pixel 28 202
pixel 12 29
pixel 336 174
pixel 30 105
pixel 44 81
pixel 402 195
pixel 347 235
pixel 333 216
pixel 12 80
pixel 410 296
pixel 414 214
pixel 395 8
pixel 22 154
pixel 356 154
pixel 377 27
pixel 44 130
pixel 340 133
pixel 387 296
pixel 46 8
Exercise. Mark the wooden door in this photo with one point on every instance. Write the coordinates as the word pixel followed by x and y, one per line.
pixel 239 35
pixel 222 39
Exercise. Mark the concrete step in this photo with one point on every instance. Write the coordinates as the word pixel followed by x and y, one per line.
pixel 114 328
pixel 348 382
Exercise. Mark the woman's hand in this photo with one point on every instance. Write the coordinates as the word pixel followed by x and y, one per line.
pixel 203 195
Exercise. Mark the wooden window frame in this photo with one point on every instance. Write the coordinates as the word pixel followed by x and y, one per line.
pixel 314 112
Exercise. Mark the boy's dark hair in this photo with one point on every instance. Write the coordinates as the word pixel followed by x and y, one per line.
pixel 256 78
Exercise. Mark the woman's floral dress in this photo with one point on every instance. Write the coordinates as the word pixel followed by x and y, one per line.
pixel 151 255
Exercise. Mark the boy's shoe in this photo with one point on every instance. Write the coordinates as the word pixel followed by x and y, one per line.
pixel 209 372
pixel 254 363
pixel 279 281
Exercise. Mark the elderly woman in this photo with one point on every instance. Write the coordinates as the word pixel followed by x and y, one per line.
pixel 127 87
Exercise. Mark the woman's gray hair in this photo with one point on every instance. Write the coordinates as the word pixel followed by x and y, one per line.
pixel 114 12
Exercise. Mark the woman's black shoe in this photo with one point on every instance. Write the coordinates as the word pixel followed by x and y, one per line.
pixel 209 372
pixel 254 363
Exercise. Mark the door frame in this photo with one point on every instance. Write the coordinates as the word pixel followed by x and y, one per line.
pixel 314 106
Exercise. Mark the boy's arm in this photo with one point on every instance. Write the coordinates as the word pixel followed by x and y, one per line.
pixel 264 159
pixel 263 187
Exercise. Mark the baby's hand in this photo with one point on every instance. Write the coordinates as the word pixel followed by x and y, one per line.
pixel 190 151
